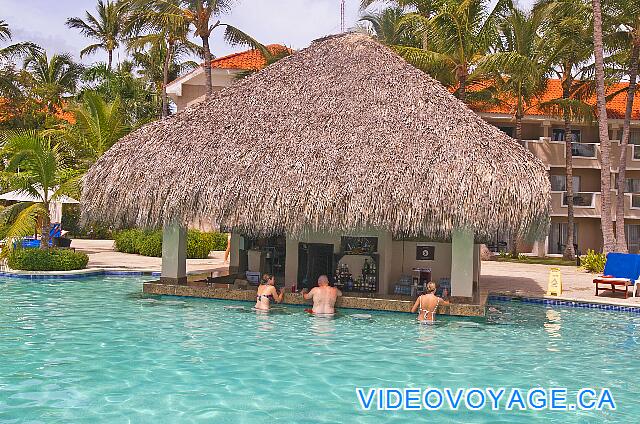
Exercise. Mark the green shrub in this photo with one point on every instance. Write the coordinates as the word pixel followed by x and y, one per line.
pixel 126 241
pixel 198 244
pixel 47 260
pixel 504 255
pixel 219 241
pixel 593 262
pixel 149 243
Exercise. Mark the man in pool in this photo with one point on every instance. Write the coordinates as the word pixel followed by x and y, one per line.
pixel 324 297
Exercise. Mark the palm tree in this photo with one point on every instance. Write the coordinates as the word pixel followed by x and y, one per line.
pixel 199 14
pixel 106 27
pixel 603 129
pixel 461 32
pixel 166 41
pixel 5 32
pixel 98 125
pixel 35 166
pixel 417 14
pixel 52 80
pixel 624 17
pixel 9 86
pixel 390 27
pixel 160 64
pixel 520 66
pixel 568 39
pixel 140 103
pixel 19 48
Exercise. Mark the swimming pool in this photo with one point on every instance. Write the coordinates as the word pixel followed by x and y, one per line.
pixel 95 350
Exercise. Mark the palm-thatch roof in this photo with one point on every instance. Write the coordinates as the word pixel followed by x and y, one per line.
pixel 339 136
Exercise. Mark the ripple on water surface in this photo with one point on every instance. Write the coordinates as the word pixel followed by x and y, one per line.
pixel 97 350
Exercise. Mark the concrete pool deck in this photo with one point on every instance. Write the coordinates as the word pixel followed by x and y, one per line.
pixel 530 280
pixel 102 255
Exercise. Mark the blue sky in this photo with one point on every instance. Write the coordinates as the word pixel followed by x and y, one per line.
pixel 294 23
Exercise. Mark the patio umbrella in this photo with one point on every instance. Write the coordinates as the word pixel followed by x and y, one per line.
pixel 55 207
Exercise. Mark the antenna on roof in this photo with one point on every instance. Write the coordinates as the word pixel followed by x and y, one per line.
pixel 342 15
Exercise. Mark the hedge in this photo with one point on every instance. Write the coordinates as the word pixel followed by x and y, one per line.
pixel 149 243
pixel 47 260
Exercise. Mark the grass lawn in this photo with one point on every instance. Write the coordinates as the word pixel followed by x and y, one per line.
pixel 536 260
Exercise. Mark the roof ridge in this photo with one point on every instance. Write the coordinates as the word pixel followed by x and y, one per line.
pixel 231 55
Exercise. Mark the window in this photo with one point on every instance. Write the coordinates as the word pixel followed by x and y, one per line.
pixel 583 150
pixel 634 136
pixel 635 201
pixel 584 200
pixel 558 237
pixel 559 183
pixel 558 135
pixel 507 130
pixel 633 237
pixel 633 185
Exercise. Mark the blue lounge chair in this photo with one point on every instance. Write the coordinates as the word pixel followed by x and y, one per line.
pixel 621 269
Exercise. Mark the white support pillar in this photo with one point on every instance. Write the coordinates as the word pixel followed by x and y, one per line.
pixel 174 254
pixel 291 263
pixel 462 263
pixel 235 245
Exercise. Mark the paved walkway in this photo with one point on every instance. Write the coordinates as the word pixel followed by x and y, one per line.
pixel 531 280
pixel 102 255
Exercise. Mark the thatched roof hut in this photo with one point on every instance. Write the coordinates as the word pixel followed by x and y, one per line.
pixel 339 136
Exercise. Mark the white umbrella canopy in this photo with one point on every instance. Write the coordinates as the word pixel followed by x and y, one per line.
pixel 55 207
pixel 23 196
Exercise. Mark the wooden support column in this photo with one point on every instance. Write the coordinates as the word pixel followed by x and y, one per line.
pixel 174 254
pixel 462 263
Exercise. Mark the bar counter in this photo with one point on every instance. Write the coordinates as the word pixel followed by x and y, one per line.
pixel 376 302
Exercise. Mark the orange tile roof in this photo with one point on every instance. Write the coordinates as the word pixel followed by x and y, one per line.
pixel 251 60
pixel 616 106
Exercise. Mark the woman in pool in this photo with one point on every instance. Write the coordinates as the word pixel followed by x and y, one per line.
pixel 267 293
pixel 427 304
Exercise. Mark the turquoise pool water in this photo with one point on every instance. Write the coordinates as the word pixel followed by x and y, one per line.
pixel 96 351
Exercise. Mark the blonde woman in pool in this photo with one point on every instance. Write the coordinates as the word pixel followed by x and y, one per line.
pixel 427 304
pixel 267 293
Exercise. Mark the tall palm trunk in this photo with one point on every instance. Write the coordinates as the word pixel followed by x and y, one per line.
pixel 513 239
pixel 621 239
pixel 569 251
pixel 605 144
pixel 165 79
pixel 110 60
pixel 46 226
pixel 207 63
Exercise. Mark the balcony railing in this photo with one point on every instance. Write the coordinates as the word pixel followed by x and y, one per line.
pixel 584 150
pixel 580 200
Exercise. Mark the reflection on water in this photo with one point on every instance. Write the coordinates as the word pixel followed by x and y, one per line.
pixel 552 326
pixel 322 329
pixel 264 323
